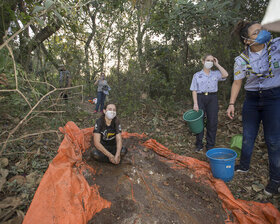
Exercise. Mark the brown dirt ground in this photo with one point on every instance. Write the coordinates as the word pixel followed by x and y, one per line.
pixel 28 159
pixel 171 131
pixel 144 189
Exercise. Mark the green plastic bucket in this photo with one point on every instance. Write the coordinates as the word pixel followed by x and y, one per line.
pixel 194 120
pixel 236 144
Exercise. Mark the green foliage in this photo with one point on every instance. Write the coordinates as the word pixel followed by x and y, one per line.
pixel 6 63
pixel 152 47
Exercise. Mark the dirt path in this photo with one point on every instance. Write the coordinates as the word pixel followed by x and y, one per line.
pixel 24 163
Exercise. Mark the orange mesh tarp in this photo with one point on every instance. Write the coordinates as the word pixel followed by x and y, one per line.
pixel 64 196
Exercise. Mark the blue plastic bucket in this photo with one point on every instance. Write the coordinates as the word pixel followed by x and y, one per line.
pixel 222 162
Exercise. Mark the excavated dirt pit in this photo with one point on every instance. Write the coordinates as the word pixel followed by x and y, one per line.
pixel 145 189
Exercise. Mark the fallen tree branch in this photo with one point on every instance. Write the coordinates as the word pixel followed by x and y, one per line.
pixel 32 110
pixel 33 134
pixel 48 84
pixel 48 111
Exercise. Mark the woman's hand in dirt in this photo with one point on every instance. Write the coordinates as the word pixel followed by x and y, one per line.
pixel 230 111
pixel 112 159
pixel 195 107
pixel 117 158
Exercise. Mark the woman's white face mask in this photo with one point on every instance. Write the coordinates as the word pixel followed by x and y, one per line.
pixel 208 64
pixel 110 114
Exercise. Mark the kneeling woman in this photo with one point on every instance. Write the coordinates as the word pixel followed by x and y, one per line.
pixel 107 137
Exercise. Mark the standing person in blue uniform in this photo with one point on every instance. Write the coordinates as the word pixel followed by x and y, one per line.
pixel 107 137
pixel 102 90
pixel 260 64
pixel 64 80
pixel 204 89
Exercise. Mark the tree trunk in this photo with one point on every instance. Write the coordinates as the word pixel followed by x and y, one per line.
pixel 7 14
pixel 26 50
pixel 87 46
pixel 49 56
pixel 186 51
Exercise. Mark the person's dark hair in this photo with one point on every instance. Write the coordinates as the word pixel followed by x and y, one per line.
pixel 241 29
pixel 107 104
pixel 115 122
pixel 205 56
pixel 61 68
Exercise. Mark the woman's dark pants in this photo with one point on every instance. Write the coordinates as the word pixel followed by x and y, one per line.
pixel 99 156
pixel 209 105
pixel 262 106
pixel 100 101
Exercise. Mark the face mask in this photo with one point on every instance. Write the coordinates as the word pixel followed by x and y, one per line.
pixel 110 114
pixel 263 37
pixel 208 64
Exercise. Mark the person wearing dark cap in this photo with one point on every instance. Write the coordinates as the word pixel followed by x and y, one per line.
pixel 64 80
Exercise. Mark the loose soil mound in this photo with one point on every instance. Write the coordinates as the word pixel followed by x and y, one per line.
pixel 145 189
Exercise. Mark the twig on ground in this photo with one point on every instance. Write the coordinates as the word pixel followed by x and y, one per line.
pixel 33 134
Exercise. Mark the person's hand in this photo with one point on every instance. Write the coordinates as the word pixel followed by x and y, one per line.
pixel 230 111
pixel 112 159
pixel 117 158
pixel 216 62
pixel 195 107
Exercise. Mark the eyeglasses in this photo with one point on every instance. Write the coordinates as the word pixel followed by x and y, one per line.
pixel 256 32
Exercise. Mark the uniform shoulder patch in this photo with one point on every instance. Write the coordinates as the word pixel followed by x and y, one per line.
pixel 237 73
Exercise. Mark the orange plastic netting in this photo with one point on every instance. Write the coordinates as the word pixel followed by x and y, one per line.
pixel 64 195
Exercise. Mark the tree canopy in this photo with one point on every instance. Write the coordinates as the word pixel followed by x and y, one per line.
pixel 151 46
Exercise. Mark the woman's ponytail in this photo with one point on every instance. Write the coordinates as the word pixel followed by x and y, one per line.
pixel 241 29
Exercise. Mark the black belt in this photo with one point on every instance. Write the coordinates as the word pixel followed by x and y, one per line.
pixel 207 93
pixel 263 90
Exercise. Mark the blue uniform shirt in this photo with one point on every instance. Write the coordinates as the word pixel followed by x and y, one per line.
pixel 202 82
pixel 259 63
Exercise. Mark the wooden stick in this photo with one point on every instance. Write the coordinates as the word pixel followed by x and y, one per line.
pixel 33 134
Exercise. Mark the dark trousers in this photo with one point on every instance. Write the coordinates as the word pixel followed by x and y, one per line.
pixel 262 106
pixel 100 101
pixel 99 156
pixel 209 105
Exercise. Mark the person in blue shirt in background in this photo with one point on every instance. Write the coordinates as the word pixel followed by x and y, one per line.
pixel 260 64
pixel 102 90
pixel 204 89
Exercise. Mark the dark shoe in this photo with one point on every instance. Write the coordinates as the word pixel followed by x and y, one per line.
pixel 198 149
pixel 241 169
pixel 272 188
